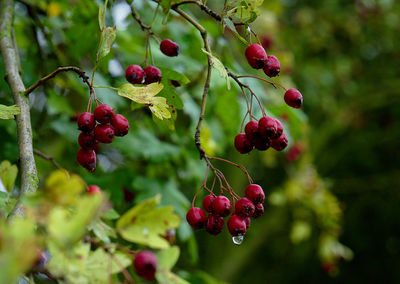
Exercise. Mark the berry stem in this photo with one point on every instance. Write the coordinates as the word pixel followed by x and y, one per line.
pixel 262 79
pixel 234 164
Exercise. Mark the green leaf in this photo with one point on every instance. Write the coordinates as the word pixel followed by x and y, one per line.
pixel 102 231
pixel 145 224
pixel 167 258
pixel 108 36
pixel 102 16
pixel 217 64
pixel 8 174
pixel 8 112
pixel 111 214
pixel 228 22
pixel 167 277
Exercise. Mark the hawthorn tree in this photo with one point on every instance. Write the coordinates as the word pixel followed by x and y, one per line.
pixel 121 217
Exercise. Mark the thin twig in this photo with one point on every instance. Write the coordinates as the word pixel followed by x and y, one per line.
pixel 48 158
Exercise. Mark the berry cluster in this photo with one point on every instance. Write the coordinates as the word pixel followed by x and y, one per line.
pixel 258 59
pixel 134 74
pixel 100 127
pixel 262 134
pixel 220 207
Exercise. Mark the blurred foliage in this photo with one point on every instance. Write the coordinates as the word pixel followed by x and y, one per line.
pixel 335 188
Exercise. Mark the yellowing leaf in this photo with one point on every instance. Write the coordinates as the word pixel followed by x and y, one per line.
pixel 160 108
pixel 102 16
pixel 53 9
pixel 167 258
pixel 108 36
pixel 8 174
pixel 145 224
pixel 8 112
pixel 62 188
pixel 217 64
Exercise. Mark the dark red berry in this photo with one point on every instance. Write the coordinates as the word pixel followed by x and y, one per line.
pixel 196 218
pixel 120 125
pixel 214 224
pixel 145 264
pixel 255 193
pixel 256 56
pixel 87 140
pixel 294 152
pixel 153 74
pixel 134 74
pixel 267 126
pixel 279 129
pixel 86 122
pixel 222 206
pixel 251 130
pixel 208 203
pixel 247 222
pixel 93 189
pixel 242 144
pixel 236 226
pixel 293 98
pixel 272 67
pixel 262 143
pixel 279 143
pixel 169 48
pixel 87 159
pixel 267 42
pixel 259 210
pixel 244 207
pixel 103 113
pixel 104 133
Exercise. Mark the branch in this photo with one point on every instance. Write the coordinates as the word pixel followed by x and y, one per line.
pixel 48 158
pixel 143 26
pixel 28 172
pixel 55 72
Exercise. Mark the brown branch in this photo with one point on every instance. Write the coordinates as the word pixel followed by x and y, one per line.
pixel 48 158
pixel 78 71
pixel 28 172
pixel 136 16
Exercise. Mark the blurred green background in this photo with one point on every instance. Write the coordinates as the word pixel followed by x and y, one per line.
pixel 333 198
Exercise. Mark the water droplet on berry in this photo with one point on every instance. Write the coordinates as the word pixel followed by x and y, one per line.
pixel 238 240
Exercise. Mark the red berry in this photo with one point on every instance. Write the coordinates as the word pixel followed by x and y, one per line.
pixel 244 207
pixel 214 224
pixel 120 125
pixel 86 122
pixel 145 264
pixel 103 113
pixel 87 140
pixel 267 42
pixel 251 130
pixel 222 206
pixel 87 159
pixel 242 144
pixel 272 67
pixel 169 48
pixel 153 74
pixel 236 226
pixel 134 74
pixel 293 98
pixel 247 222
pixel 279 129
pixel 196 218
pixel 259 211
pixel 93 189
pixel 294 152
pixel 262 143
pixel 255 193
pixel 279 143
pixel 208 203
pixel 104 133
pixel 267 126
pixel 256 56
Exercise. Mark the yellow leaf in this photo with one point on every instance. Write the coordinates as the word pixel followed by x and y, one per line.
pixel 63 188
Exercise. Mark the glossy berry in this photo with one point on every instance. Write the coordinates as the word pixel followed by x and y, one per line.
pixel 86 122
pixel 251 130
pixel 255 193
pixel 104 133
pixel 87 159
pixel 256 56
pixel 208 203
pixel 169 48
pixel 196 218
pixel 222 206
pixel 145 264
pixel 103 113
pixel 272 67
pixel 293 98
pixel 120 125
pixel 244 207
pixel 279 143
pixel 93 189
pixel 236 226
pixel 87 140
pixel 214 224
pixel 242 144
pixel 153 74
pixel 134 74
pixel 262 143
pixel 259 210
pixel 247 222
pixel 279 128
pixel 267 126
